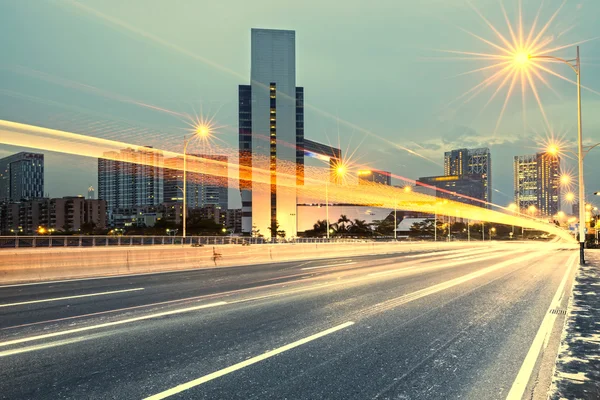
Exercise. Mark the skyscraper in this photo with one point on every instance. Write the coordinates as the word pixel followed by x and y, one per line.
pixel 130 178
pixel 271 133
pixel 526 182
pixel 22 177
pixel 374 176
pixel 202 189
pixel 472 162
pixel 537 183
pixel 466 189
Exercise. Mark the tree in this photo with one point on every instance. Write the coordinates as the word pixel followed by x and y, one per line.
pixel 319 229
pixel 274 229
pixel 384 227
pixel 425 228
pixel 360 228
pixel 343 224
pixel 255 232
pixel 87 228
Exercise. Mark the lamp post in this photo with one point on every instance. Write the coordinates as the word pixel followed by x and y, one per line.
pixel 468 231
pixel 435 223
pixel 327 205
pixel 513 207
pixel 395 219
pixel 492 231
pixel 577 69
pixel 339 171
pixel 202 131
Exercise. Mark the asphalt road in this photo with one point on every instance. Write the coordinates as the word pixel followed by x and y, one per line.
pixel 428 325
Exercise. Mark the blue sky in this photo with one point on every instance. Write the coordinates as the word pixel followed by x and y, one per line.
pixel 366 66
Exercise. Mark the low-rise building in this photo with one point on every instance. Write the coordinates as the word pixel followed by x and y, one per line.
pixel 66 214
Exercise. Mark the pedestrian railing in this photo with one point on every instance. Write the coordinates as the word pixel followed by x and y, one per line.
pixel 13 242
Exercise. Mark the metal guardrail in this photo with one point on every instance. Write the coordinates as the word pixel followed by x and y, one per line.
pixel 14 242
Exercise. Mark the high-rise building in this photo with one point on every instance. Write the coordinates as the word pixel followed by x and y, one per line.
pixel 130 178
pixel 549 177
pixel 477 163
pixel 468 189
pixel 366 176
pixel 537 183
pixel 202 189
pixel 271 134
pixel 22 177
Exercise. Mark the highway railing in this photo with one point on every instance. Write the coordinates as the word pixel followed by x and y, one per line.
pixel 14 242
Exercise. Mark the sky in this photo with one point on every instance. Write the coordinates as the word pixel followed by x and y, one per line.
pixel 378 77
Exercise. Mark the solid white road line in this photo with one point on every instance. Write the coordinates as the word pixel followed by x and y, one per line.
pixel 70 297
pixel 243 364
pixel 426 267
pixel 439 253
pixel 540 341
pixel 326 266
pixel 121 322
pixel 398 301
pixel 51 344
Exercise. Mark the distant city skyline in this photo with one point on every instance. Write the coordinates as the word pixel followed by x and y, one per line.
pixel 399 89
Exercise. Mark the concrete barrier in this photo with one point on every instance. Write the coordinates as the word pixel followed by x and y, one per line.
pixel 33 265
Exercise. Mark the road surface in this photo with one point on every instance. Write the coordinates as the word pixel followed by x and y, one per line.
pixel 422 325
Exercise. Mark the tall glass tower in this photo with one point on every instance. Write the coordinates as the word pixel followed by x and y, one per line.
pixel 271 129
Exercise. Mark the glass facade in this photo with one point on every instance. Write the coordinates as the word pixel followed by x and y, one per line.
pixel 22 177
pixel 537 183
pixel 472 162
pixel 130 178
pixel 271 132
pixel 468 189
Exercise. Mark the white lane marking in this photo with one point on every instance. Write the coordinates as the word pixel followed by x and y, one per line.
pixel 243 364
pixel 540 341
pixel 93 278
pixel 107 324
pixel 70 297
pixel 326 266
pixel 446 265
pixel 50 345
pixel 398 301
pixel 436 253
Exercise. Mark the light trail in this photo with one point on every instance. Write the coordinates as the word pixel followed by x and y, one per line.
pixel 374 195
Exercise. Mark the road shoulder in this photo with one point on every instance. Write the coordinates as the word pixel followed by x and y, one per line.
pixel 577 370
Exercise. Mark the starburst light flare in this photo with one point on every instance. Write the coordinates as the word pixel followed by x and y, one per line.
pixel 519 59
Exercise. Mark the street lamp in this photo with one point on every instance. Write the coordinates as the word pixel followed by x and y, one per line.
pixel 513 207
pixel 340 170
pixel 492 231
pixel 577 69
pixel 202 131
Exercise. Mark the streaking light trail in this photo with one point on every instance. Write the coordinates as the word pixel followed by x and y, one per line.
pixel 374 195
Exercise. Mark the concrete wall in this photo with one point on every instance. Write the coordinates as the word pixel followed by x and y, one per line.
pixel 31 265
